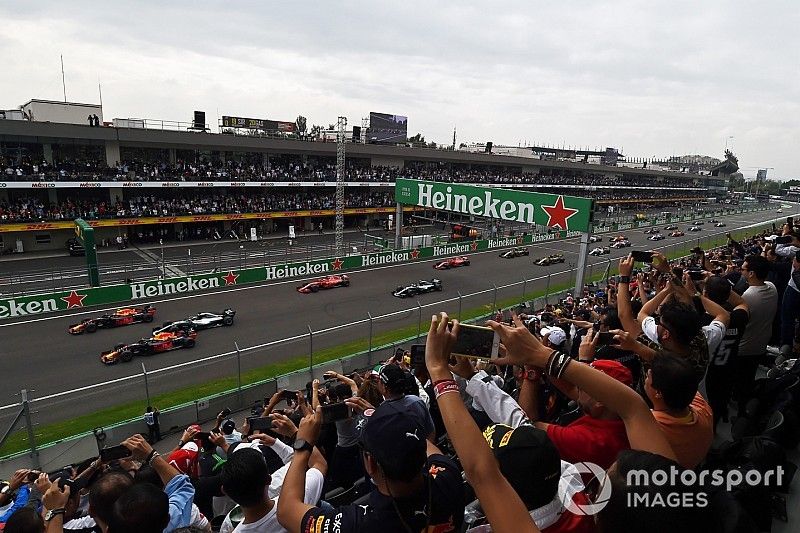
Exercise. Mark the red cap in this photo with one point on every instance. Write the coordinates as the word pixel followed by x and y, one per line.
pixel 615 369
pixel 196 427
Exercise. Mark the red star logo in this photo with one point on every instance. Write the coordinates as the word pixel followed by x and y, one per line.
pixel 230 279
pixel 415 253
pixel 337 264
pixel 558 214
pixel 474 245
pixel 74 299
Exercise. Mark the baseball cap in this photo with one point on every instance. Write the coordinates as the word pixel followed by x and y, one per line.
pixel 528 459
pixel 228 426
pixel 557 335
pixel 395 436
pixel 394 377
pixel 615 369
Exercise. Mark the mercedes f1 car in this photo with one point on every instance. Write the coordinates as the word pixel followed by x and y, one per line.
pixel 677 234
pixel 720 225
pixel 656 237
pixel 603 250
pixel 671 227
pixel 550 260
pixel 695 228
pixel 328 282
pixel 160 342
pixel 621 244
pixel 453 262
pixel 652 231
pixel 198 322
pixel 596 238
pixel 420 287
pixel 120 317
pixel 514 252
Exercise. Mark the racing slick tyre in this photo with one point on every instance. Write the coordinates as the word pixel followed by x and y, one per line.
pixel 314 288
pixel 126 356
pixel 438 289
pixel 190 343
pixel 346 283
pixel 119 346
pixel 148 318
pixel 91 327
pixel 227 321
pixel 466 263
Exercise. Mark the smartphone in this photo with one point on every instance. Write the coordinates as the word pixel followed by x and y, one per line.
pixel 790 221
pixel 417 355
pixel 289 395
pixel 696 275
pixel 605 338
pixel 225 413
pixel 258 423
pixel 642 257
pixel 114 452
pixel 202 435
pixel 783 239
pixel 32 476
pixel 477 341
pixel 596 326
pixel 335 411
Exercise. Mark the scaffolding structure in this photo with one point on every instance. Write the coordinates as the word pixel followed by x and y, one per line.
pixel 340 179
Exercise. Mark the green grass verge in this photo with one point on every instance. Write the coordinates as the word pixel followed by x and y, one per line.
pixel 109 416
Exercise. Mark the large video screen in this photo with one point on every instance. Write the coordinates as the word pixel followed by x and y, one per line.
pixel 385 128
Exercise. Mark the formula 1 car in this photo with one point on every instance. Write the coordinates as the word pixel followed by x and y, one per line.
pixel 550 260
pixel 603 250
pixel 695 228
pixel 652 231
pixel 120 317
pixel 596 238
pixel 198 322
pixel 700 223
pixel 75 248
pixel 160 342
pixel 621 244
pixel 452 263
pixel 720 225
pixel 328 282
pixel 514 252
pixel 656 237
pixel 619 238
pixel 671 227
pixel 677 234
pixel 713 221
pixel 420 287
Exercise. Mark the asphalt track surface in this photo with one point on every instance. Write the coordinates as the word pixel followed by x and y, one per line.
pixel 40 355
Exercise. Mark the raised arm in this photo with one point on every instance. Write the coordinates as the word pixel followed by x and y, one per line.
pixel 504 509
pixel 624 309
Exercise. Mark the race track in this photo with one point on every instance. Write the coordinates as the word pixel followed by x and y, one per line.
pixel 40 355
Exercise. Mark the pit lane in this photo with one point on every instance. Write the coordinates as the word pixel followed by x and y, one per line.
pixel 39 354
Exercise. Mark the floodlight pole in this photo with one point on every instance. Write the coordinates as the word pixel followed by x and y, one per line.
pixel 398 227
pixel 340 179
pixel 582 255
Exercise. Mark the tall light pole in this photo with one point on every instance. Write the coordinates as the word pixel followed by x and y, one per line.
pixel 340 179
pixel 726 141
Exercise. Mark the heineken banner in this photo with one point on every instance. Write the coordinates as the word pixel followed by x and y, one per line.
pixel 552 210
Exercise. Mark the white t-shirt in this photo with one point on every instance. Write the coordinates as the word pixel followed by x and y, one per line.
pixel 269 523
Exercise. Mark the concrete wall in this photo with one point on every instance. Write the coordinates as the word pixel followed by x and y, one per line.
pixel 61 112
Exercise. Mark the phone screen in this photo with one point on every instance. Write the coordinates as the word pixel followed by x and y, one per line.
pixel 476 341
pixel 642 257
pixel 335 411
pixel 417 355
pixel 605 338
pixel 114 452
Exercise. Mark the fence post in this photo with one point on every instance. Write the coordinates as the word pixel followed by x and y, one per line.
pixel 547 290
pixel 419 320
pixel 26 408
pixel 494 304
pixel 460 298
pixel 310 349
pixel 369 350
pixel 146 385
pixel 524 285
pixel 238 371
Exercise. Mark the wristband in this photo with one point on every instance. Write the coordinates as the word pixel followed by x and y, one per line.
pixel 624 279
pixel 150 456
pixel 441 381
pixel 443 387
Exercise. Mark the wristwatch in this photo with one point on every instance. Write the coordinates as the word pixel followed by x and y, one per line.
pixel 52 514
pixel 302 446
pixel 6 489
pixel 624 279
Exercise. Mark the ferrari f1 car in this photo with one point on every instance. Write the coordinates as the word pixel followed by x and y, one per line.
pixel 120 317
pixel 198 322
pixel 160 342
pixel 550 260
pixel 420 287
pixel 602 250
pixel 328 282
pixel 677 234
pixel 514 252
pixel 453 262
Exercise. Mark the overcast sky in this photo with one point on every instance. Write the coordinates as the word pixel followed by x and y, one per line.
pixel 655 78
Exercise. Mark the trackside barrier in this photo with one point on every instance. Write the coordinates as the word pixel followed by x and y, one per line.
pixel 55 455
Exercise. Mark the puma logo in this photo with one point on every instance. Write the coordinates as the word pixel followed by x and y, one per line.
pixel 412 434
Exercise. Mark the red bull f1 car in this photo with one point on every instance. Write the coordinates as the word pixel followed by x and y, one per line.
pixel 158 343
pixel 453 262
pixel 328 282
pixel 120 317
